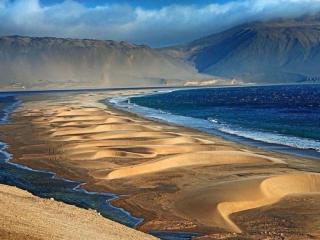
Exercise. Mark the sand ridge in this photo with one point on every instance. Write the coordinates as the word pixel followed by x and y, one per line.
pixel 135 139
pixel 191 159
pixel 215 205
pixel 272 190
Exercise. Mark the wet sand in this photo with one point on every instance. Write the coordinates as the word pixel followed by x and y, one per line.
pixel 177 179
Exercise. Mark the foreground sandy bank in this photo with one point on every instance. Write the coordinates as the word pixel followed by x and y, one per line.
pixel 24 216
pixel 175 178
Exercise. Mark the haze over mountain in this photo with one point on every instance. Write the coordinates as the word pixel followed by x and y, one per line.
pixel 282 50
pixel 27 62
pixel 278 51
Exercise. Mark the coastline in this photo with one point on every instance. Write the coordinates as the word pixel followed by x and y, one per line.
pixel 165 142
pixel 208 126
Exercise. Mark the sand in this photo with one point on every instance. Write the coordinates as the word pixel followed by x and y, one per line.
pixel 175 178
pixel 205 158
pixel 213 206
pixel 24 216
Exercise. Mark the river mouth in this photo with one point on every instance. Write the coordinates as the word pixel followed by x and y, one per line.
pixel 46 184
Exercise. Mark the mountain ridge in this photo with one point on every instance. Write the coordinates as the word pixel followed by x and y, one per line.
pixel 281 50
pixel 276 51
pixel 49 62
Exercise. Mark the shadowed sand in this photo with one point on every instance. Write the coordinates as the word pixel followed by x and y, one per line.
pixel 24 216
pixel 175 178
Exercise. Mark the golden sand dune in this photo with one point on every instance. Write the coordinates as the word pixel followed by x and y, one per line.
pixel 174 140
pixel 92 154
pixel 116 135
pixel 213 206
pixel 76 112
pixel 142 146
pixel 192 159
pixel 164 149
pixel 143 150
pixel 169 143
pixel 76 119
pixel 119 120
pixel 81 123
pixel 65 131
pixel 134 135
pixel 282 185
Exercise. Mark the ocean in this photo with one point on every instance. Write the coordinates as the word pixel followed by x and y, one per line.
pixel 282 118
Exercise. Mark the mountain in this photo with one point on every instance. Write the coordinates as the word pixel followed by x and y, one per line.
pixel 28 62
pixel 277 51
pixel 282 50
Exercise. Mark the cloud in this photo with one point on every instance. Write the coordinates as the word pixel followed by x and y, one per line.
pixel 158 27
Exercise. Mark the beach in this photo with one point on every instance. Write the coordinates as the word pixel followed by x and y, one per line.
pixel 175 178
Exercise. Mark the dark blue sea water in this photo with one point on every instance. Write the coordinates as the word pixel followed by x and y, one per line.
pixel 48 185
pixel 281 118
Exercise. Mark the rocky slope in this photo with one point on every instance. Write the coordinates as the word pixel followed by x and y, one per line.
pixel 27 62
pixel 27 217
pixel 282 50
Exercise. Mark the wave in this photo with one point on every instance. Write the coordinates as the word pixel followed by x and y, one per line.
pixel 268 137
pixel 215 127
pixel 8 109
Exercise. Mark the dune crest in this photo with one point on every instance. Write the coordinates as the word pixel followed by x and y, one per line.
pixel 192 159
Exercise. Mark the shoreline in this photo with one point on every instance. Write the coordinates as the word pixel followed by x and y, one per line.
pixel 198 124
pixel 210 135
pixel 165 186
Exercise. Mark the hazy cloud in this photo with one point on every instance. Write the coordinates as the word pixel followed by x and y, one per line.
pixel 168 25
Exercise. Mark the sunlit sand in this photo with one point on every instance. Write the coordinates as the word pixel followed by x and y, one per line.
pixel 175 178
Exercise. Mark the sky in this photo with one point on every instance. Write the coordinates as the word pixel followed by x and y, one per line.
pixel 156 23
